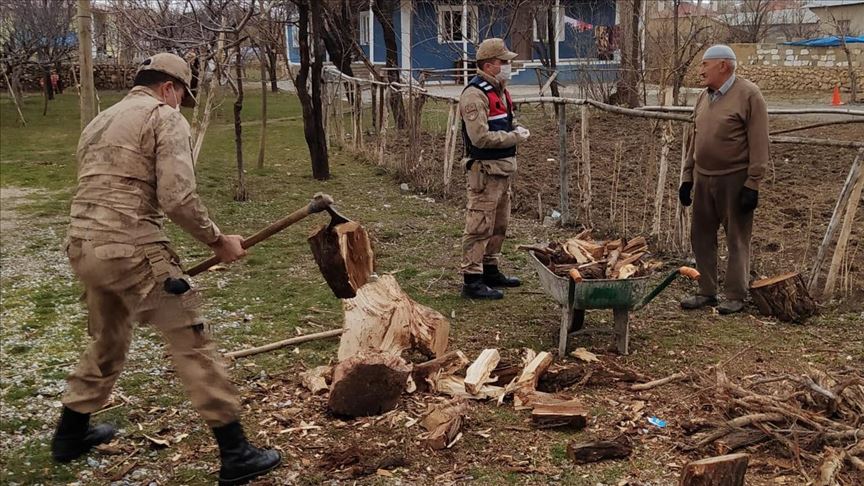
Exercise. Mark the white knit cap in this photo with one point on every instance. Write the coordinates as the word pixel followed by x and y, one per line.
pixel 719 51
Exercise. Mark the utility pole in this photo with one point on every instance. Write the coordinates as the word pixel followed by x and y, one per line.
pixel 85 62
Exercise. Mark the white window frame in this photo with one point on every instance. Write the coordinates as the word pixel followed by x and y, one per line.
pixel 363 28
pixel 559 31
pixel 472 23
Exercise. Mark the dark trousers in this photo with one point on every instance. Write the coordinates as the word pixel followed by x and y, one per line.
pixel 715 202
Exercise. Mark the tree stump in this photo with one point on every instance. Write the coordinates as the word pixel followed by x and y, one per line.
pixel 726 470
pixel 384 318
pixel 784 297
pixel 368 384
pixel 344 255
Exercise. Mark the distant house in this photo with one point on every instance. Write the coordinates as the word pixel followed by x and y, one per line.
pixel 440 37
pixel 847 14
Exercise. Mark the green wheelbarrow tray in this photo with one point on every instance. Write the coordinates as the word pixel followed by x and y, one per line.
pixel 620 295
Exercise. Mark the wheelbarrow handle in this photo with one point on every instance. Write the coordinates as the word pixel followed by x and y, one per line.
pixel 690 273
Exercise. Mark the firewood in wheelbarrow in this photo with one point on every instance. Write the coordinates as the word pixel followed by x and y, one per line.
pixel 343 252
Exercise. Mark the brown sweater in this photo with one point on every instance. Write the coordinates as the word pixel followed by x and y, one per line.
pixel 730 134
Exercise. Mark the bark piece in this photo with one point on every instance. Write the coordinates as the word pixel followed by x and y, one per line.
pixel 784 297
pixel 316 379
pixel 425 374
pixel 738 440
pixel 570 413
pixel 344 255
pixel 384 318
pixel 444 425
pixel 728 470
pixel 368 384
pixel 586 452
pixel 479 371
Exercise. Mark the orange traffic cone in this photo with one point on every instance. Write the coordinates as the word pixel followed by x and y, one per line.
pixel 835 100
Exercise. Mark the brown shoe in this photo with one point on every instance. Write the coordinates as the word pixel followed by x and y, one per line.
pixel 730 307
pixel 698 302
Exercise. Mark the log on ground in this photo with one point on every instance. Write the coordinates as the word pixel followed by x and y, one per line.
pixel 728 470
pixel 784 297
pixel 368 384
pixel 563 414
pixel 586 452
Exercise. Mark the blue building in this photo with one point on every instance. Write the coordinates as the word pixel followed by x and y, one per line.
pixel 437 38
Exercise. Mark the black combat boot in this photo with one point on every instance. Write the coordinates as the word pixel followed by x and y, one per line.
pixel 474 288
pixel 241 461
pixel 494 278
pixel 75 437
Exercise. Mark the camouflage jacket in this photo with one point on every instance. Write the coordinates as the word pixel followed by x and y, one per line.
pixel 135 167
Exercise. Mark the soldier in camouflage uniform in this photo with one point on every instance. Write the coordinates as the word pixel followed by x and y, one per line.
pixel 490 136
pixel 134 168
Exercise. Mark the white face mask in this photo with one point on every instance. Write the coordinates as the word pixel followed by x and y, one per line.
pixel 504 74
pixel 176 101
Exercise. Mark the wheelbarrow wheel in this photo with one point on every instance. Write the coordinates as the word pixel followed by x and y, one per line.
pixel 578 320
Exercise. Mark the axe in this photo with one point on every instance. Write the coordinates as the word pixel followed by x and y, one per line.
pixel 320 202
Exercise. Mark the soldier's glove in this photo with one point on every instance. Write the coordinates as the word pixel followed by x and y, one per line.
pixel 523 133
pixel 684 193
pixel 748 199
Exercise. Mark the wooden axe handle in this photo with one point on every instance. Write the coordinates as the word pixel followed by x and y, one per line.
pixel 319 203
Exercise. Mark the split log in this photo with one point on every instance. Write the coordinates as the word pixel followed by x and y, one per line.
pixel 479 371
pixel 505 372
pixel 726 470
pixel 569 413
pixel 636 245
pixel 425 374
pixel 454 386
pixel 443 425
pixel 368 384
pixel 527 381
pixel 586 452
pixel 316 379
pixel 344 255
pixel 384 318
pixel 784 296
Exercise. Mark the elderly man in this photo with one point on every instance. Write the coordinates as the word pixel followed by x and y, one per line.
pixel 490 137
pixel 134 168
pixel 725 164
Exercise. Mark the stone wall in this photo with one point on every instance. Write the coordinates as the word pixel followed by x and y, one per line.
pixel 782 67
pixel 105 76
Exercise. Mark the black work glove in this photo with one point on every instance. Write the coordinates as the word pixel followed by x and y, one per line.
pixel 684 193
pixel 748 199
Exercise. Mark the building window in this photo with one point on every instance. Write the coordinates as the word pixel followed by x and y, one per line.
pixel 450 23
pixel 363 28
pixel 541 19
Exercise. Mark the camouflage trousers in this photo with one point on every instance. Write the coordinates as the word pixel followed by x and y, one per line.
pixel 486 218
pixel 124 285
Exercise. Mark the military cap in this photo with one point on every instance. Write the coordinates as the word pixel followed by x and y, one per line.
pixel 172 65
pixel 494 48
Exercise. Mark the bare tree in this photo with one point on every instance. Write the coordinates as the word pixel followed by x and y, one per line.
pixel 748 20
pixel 631 55
pixel 384 10
pixel 840 26
pixel 311 15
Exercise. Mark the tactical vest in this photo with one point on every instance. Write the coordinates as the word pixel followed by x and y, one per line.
pixel 500 118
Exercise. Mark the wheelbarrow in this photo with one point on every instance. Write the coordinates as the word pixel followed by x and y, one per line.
pixel 620 295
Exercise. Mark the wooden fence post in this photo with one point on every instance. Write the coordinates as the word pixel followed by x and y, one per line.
pixel 845 232
pixel 842 201
pixel 585 208
pixel 563 163
pixel 666 139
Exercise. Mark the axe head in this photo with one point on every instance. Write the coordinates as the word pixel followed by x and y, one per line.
pixel 335 217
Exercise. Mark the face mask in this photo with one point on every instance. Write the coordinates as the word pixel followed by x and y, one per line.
pixel 176 101
pixel 504 74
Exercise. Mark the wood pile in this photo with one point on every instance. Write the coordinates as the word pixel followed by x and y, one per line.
pixel 814 419
pixel 582 257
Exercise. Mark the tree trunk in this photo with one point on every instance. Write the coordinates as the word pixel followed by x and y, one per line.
pixel 313 116
pixel 240 194
pixel 383 10
pixel 338 36
pixel 552 36
pixel 853 79
pixel 263 140
pixel 87 101
pixel 628 84
pixel 676 68
pixel 784 297
pixel 272 61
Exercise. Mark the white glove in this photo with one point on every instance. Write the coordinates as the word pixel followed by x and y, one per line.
pixel 522 132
